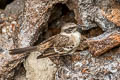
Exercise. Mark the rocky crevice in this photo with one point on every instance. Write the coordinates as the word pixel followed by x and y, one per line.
pixel 37 20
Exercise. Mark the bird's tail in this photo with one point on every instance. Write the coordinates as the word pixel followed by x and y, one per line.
pixel 22 50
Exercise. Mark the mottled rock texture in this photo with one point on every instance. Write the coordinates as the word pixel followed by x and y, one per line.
pixel 28 22
pixel 42 69
pixel 98 45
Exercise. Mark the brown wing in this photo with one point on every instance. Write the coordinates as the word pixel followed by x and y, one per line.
pixel 61 45
pixel 46 45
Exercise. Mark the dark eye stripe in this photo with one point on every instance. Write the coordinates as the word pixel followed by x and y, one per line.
pixel 71 27
pixel 68 31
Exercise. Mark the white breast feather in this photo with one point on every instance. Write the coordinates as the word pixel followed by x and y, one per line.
pixel 77 37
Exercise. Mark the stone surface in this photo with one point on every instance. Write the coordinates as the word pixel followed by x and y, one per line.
pixel 23 27
pixel 41 69
pixel 15 7
pixel 8 39
pixel 90 14
pixel 99 45
pixel 112 13
pixel 105 67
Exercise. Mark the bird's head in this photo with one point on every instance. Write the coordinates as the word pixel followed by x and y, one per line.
pixel 69 28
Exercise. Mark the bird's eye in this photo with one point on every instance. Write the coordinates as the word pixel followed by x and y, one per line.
pixel 67 31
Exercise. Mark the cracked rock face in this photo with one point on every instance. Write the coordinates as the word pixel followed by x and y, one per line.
pixel 105 67
pixel 98 46
pixel 36 20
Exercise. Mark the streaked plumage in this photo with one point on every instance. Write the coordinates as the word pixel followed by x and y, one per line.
pixel 64 43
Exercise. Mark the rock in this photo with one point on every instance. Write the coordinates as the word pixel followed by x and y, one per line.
pixel 29 25
pixel 99 45
pixel 92 68
pixel 15 7
pixel 112 13
pixel 39 69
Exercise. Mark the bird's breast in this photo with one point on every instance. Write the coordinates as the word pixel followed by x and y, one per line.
pixel 76 37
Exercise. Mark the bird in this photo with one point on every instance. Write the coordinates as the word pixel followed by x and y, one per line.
pixel 66 42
